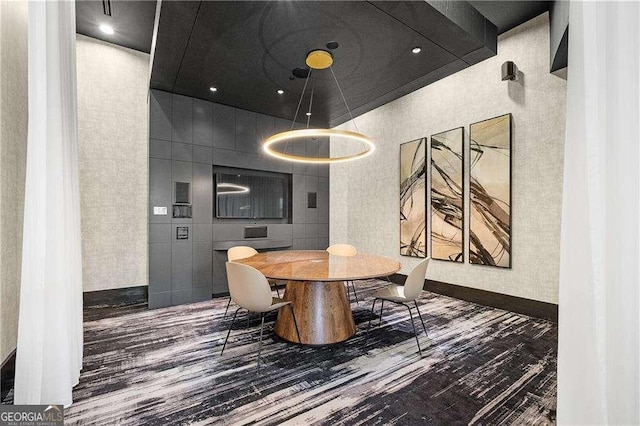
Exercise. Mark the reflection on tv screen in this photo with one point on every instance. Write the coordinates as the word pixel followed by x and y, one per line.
pixel 249 195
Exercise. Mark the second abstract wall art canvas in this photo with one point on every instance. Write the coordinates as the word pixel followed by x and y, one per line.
pixel 490 192
pixel 413 198
pixel 447 192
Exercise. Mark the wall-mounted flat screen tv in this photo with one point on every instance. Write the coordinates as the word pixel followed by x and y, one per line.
pixel 248 194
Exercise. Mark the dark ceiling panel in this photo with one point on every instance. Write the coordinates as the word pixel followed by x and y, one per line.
pixel 248 50
pixel 509 14
pixel 177 19
pixel 132 22
pixel 471 29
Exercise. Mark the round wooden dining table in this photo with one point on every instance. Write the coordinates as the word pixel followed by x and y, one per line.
pixel 315 286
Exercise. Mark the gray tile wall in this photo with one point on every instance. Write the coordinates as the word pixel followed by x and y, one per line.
pixel 187 137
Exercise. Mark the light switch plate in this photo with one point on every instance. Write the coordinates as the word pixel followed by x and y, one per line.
pixel 159 210
pixel 182 233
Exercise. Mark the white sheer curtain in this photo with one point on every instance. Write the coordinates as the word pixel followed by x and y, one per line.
pixel 49 355
pixel 598 363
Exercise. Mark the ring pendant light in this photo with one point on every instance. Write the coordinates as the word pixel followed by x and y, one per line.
pixel 316 60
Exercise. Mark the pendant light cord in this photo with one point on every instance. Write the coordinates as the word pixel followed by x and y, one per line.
pixel 343 99
pixel 304 89
pixel 293 123
pixel 313 85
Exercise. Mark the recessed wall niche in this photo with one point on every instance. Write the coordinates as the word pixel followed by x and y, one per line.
pixel 312 200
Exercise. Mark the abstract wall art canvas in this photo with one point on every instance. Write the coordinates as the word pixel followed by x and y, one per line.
pixel 490 192
pixel 447 194
pixel 413 198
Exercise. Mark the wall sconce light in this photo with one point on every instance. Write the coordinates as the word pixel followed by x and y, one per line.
pixel 509 71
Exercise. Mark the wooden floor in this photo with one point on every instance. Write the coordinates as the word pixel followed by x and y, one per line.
pixel 157 367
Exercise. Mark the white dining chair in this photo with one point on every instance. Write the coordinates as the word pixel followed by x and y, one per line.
pixel 404 295
pixel 342 250
pixel 240 252
pixel 345 250
pixel 243 252
pixel 251 291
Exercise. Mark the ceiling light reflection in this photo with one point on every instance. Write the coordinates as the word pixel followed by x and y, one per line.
pixel 231 189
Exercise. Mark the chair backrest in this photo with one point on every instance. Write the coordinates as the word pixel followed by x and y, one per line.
pixel 248 287
pixel 342 250
pixel 415 281
pixel 240 252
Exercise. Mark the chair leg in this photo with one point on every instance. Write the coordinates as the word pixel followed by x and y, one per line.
pixel 421 320
pixel 260 344
pixel 353 288
pixel 381 308
pixel 278 291
pixel 414 329
pixel 295 322
pixel 228 303
pixel 248 318
pixel 371 316
pixel 229 332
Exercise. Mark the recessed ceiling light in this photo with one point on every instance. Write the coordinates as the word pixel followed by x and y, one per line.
pixel 107 29
pixel 416 50
pixel 213 89
pixel 280 91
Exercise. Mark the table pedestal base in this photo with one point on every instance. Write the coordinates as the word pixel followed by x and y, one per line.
pixel 322 310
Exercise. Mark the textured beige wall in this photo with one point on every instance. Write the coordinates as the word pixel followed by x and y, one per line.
pixel 13 158
pixel 112 134
pixel 364 194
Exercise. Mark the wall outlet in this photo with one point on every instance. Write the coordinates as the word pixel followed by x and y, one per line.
pixel 159 210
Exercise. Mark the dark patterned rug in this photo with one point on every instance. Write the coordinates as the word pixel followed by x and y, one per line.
pixel 157 367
